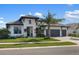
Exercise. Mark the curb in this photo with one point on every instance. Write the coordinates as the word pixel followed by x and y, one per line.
pixel 38 47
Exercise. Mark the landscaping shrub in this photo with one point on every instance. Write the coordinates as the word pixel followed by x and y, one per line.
pixel 4 33
pixel 33 40
pixel 46 38
pixel 40 35
pixel 74 35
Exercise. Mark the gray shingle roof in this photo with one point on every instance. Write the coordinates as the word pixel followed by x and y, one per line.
pixel 15 23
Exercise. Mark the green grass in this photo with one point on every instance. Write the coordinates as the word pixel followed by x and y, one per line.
pixel 27 40
pixel 36 45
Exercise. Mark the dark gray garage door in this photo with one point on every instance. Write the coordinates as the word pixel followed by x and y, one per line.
pixel 63 32
pixel 54 33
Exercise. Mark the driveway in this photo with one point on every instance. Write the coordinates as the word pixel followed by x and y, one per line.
pixel 71 39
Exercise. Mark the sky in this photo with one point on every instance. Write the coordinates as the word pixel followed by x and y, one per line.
pixel 12 12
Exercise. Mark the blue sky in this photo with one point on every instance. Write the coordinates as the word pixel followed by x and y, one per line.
pixel 12 12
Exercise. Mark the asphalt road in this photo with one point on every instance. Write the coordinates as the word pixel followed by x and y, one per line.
pixel 43 51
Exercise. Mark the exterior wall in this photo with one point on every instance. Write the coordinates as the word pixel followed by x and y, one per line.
pixel 11 29
pixel 26 24
pixel 77 31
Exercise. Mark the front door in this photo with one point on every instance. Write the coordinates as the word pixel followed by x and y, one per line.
pixel 29 31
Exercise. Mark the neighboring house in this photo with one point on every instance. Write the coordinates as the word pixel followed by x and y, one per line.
pixel 73 28
pixel 26 27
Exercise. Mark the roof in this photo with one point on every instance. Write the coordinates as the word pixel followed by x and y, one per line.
pixel 55 25
pixel 73 25
pixel 29 17
pixel 15 23
pixel 59 25
pixel 19 22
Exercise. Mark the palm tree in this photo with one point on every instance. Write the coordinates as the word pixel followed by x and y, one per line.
pixel 51 20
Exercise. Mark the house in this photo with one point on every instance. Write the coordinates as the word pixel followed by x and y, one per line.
pixel 26 26
pixel 73 28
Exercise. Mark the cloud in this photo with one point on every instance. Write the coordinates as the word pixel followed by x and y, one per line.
pixel 38 14
pixel 72 14
pixel 22 14
pixel 1 17
pixel 2 24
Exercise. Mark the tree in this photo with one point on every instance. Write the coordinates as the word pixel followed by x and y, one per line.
pixel 40 29
pixel 4 33
pixel 51 20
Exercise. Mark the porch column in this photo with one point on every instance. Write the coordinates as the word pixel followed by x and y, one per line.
pixel 45 32
pixel 61 32
pixel 67 32
pixel 34 31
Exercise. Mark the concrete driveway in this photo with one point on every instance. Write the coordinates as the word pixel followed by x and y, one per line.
pixel 71 39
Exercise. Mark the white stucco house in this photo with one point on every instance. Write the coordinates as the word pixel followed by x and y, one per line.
pixel 73 28
pixel 26 26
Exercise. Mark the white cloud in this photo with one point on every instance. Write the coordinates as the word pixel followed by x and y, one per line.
pixel 72 14
pixel 2 24
pixel 22 14
pixel 38 14
pixel 1 18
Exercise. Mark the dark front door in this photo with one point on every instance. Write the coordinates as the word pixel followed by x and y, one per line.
pixel 29 31
pixel 63 32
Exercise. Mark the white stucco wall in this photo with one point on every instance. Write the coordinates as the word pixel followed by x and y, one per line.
pixel 26 24
pixel 11 29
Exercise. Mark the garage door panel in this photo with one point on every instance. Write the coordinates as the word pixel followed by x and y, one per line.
pixel 55 33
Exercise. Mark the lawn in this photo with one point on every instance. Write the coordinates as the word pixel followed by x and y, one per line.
pixel 35 45
pixel 28 40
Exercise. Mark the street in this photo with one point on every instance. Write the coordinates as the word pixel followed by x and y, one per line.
pixel 74 50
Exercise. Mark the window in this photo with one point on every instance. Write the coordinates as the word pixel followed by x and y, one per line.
pixel 29 21
pixel 17 30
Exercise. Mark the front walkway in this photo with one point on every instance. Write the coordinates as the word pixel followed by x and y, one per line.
pixel 71 39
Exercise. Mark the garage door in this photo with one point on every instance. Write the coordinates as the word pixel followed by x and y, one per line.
pixel 63 32
pixel 54 33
